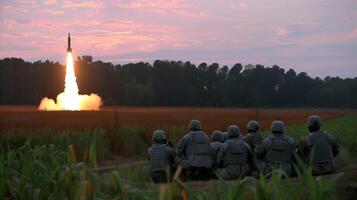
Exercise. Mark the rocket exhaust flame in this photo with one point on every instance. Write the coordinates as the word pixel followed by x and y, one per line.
pixel 70 99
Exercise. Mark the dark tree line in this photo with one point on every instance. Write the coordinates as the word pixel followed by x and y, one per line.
pixel 175 83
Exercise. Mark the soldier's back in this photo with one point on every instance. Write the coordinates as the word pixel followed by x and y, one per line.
pixel 215 145
pixel 253 140
pixel 236 157
pixel 198 149
pixel 160 156
pixel 320 146
pixel 279 153
pixel 161 159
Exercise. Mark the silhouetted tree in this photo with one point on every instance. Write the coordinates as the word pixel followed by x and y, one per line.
pixel 175 83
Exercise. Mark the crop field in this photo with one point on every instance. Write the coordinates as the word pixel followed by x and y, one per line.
pixel 64 164
pixel 102 154
pixel 149 119
pixel 134 125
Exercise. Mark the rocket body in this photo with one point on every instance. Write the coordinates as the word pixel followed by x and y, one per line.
pixel 69 49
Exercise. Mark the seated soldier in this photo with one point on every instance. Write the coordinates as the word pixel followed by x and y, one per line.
pixel 194 153
pixel 161 158
pixel 276 151
pixel 217 140
pixel 318 148
pixel 234 156
pixel 254 139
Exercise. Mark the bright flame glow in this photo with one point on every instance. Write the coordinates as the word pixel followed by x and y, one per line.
pixel 70 99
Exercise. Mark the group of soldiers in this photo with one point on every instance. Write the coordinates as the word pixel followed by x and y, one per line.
pixel 231 156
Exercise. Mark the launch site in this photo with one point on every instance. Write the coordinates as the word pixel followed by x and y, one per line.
pixel 179 99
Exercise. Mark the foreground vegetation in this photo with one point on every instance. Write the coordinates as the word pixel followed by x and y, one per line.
pixel 45 172
pixel 63 165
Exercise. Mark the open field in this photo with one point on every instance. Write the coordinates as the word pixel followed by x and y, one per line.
pixel 58 172
pixel 129 129
pixel 110 118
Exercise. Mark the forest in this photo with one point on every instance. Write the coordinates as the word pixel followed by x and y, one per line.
pixel 175 83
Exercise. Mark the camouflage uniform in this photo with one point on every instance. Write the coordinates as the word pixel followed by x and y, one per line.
pixel 161 158
pixel 216 142
pixel 194 152
pixel 276 151
pixel 234 156
pixel 319 148
pixel 253 139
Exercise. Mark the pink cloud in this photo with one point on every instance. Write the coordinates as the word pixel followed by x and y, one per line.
pixel 308 23
pixel 180 8
pixel 242 4
pixel 83 4
pixel 352 34
pixel 49 2
pixel 282 31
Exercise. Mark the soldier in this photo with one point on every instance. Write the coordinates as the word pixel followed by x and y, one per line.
pixel 234 157
pixel 276 151
pixel 217 140
pixel 161 158
pixel 194 153
pixel 318 147
pixel 225 136
pixel 253 138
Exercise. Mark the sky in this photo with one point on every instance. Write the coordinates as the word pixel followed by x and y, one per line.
pixel 314 36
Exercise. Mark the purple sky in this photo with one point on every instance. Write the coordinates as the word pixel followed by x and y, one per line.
pixel 315 36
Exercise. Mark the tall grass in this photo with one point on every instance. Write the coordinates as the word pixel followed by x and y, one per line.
pixel 131 141
pixel 80 140
pixel 46 172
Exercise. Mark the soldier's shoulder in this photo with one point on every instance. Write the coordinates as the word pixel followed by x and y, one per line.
pixel 326 133
pixel 328 136
pixel 225 144
pixel 246 145
pixel 268 139
pixel 187 136
pixel 289 139
pixel 169 148
pixel 247 137
pixel 203 133
pixel 149 149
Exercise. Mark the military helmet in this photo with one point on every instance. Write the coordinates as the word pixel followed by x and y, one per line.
pixel 159 136
pixel 277 126
pixel 233 131
pixel 217 136
pixel 253 125
pixel 195 125
pixel 314 121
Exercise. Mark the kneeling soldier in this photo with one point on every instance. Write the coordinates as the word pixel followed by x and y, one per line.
pixel 234 157
pixel 318 147
pixel 161 158
pixel 217 140
pixel 254 139
pixel 194 153
pixel 276 151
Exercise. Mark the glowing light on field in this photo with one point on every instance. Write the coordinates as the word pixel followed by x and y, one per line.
pixel 70 99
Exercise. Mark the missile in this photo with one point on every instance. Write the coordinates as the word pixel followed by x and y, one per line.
pixel 69 49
